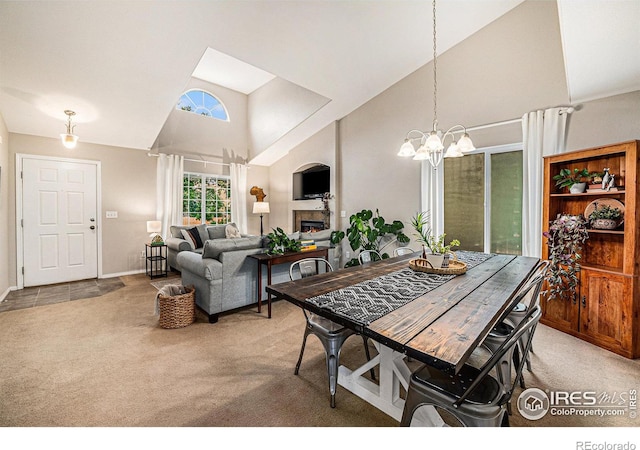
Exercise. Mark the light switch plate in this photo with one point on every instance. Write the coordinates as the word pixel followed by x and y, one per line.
pixel 112 214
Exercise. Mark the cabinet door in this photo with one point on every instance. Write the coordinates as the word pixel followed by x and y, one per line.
pixel 606 309
pixel 560 313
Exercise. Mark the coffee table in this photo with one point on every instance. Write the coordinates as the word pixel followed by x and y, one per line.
pixel 287 257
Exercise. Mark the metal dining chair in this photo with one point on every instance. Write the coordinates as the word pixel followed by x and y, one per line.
pixel 399 251
pixel 330 334
pixel 527 297
pixel 472 396
pixel 367 256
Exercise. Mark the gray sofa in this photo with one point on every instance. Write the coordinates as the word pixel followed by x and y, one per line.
pixel 224 278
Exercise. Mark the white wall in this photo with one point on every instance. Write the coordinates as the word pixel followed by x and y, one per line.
pixel 321 149
pixel 5 200
pixel 275 109
pixel 505 70
pixel 128 187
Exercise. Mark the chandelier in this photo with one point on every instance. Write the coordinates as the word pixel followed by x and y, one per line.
pixel 69 139
pixel 431 144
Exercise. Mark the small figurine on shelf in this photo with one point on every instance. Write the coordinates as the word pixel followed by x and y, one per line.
pixel 605 178
pixel 611 183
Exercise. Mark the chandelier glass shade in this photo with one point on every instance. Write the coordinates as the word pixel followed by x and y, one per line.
pixel 69 139
pixel 431 145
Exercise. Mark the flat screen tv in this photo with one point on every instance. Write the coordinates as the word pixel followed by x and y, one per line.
pixel 315 182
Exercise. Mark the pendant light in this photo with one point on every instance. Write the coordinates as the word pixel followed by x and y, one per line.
pixel 69 139
pixel 431 144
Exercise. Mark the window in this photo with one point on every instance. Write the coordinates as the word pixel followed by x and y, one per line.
pixel 202 103
pixel 483 200
pixel 206 196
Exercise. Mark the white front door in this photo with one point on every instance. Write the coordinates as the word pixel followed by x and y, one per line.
pixel 59 202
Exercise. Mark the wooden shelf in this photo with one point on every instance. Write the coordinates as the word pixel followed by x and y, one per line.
pixel 590 194
pixel 604 308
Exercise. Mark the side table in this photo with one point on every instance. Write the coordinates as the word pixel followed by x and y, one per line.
pixel 156 261
pixel 287 257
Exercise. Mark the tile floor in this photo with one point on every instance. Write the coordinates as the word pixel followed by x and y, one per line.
pixel 56 293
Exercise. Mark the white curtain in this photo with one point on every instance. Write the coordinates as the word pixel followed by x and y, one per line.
pixel 169 174
pixel 433 195
pixel 239 196
pixel 543 133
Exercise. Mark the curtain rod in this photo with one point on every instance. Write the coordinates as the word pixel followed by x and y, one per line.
pixel 203 161
pixel 564 110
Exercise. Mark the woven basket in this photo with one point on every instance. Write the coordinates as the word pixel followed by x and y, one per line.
pixel 422 265
pixel 177 311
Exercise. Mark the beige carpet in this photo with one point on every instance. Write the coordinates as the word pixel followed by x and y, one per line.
pixel 104 362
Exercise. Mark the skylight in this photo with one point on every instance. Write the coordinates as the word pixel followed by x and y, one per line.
pixel 202 103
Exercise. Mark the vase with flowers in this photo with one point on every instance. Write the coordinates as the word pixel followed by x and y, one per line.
pixel 565 238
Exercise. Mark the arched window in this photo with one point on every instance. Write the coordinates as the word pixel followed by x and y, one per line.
pixel 202 103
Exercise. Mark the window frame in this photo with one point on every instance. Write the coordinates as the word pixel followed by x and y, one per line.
pixel 216 98
pixel 203 195
pixel 487 151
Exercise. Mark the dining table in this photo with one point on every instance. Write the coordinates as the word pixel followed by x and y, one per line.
pixel 438 319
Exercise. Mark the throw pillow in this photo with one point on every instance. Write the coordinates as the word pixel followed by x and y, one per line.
pixel 192 236
pixel 231 231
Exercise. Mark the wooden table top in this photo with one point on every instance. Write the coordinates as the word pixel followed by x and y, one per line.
pixel 441 327
pixel 281 258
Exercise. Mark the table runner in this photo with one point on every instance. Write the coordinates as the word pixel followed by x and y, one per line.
pixel 369 300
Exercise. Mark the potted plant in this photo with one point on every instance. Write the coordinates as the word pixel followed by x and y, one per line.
pixel 439 256
pixel 565 237
pixel 573 179
pixel 367 231
pixel 279 242
pixel 605 217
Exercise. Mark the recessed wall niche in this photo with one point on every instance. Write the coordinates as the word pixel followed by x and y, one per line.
pixel 311 182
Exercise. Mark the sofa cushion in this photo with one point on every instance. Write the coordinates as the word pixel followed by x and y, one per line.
pixel 176 231
pixel 216 232
pixel 192 236
pixel 214 247
pixel 231 231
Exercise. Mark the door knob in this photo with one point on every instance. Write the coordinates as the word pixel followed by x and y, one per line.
pixel 92 227
pixel 92 219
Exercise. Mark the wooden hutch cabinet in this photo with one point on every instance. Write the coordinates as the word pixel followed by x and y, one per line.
pixel 606 310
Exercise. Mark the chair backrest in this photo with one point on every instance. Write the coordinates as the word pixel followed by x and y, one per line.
pixel 308 267
pixel 402 251
pixel 529 294
pixel 529 320
pixel 367 256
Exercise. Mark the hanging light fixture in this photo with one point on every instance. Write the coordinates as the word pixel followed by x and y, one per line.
pixel 431 144
pixel 69 139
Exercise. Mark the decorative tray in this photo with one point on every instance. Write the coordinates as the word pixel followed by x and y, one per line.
pixel 422 265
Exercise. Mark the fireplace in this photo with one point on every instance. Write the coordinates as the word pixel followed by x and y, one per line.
pixel 309 220
pixel 307 226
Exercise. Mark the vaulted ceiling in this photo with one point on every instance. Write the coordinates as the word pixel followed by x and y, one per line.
pixel 123 65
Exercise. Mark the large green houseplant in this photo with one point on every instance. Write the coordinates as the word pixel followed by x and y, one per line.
pixel 279 242
pixel 367 231
pixel 566 235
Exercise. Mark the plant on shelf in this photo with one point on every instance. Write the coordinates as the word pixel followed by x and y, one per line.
pixel 566 235
pixel 568 178
pixel 368 231
pixel 605 217
pixel 279 242
pixel 605 212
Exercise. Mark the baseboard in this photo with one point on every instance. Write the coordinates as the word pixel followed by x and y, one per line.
pixel 122 274
pixel 5 293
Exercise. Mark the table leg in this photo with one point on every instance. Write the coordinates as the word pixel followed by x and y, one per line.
pixel 269 294
pixel 259 287
pixel 393 372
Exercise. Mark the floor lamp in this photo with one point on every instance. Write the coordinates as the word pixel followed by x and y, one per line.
pixel 261 208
